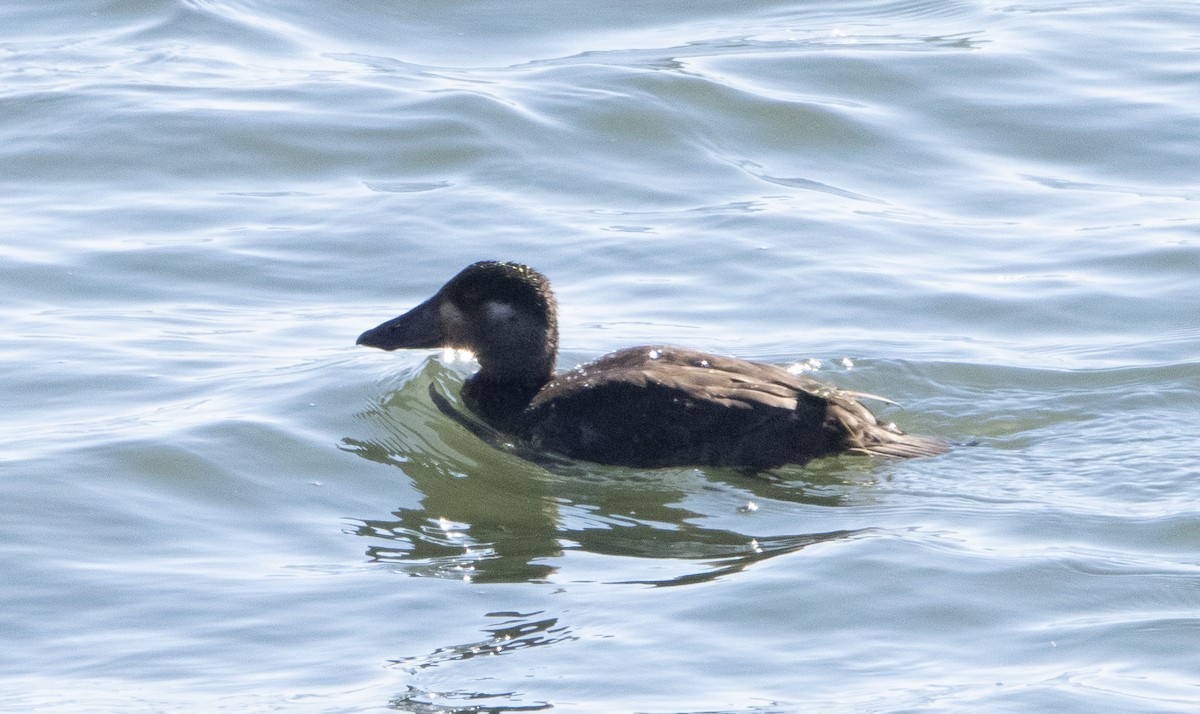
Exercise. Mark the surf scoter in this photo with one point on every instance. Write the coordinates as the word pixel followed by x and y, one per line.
pixel 647 406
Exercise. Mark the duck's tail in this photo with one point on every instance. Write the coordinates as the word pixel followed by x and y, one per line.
pixel 864 434
pixel 885 442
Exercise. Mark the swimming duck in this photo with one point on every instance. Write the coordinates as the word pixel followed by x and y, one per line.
pixel 649 406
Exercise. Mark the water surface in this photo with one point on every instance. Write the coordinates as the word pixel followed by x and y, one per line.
pixel 212 501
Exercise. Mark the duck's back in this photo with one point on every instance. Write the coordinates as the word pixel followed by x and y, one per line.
pixel 665 406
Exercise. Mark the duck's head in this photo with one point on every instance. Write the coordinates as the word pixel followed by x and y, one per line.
pixel 504 313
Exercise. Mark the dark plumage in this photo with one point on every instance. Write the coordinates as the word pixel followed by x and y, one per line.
pixel 641 406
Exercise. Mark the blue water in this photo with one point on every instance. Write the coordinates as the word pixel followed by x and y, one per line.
pixel 211 500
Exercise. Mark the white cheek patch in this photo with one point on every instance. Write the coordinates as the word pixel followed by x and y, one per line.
pixel 451 317
pixel 499 311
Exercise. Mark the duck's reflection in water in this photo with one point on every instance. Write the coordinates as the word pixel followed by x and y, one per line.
pixel 488 514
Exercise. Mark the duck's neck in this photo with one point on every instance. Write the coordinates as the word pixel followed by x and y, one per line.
pixel 516 360
pixel 499 403
pixel 507 381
